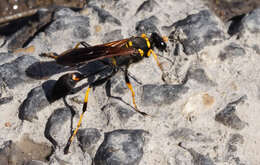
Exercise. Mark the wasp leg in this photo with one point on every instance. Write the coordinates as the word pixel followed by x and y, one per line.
pixel 49 55
pixel 156 58
pixel 66 149
pixel 83 43
pixel 129 85
pixel 84 108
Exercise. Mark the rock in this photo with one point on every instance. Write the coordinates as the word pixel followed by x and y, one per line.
pixel 234 140
pixel 124 113
pixel 202 29
pixel 187 134
pixel 161 94
pixel 78 24
pixel 104 16
pixel 88 138
pixel 65 30
pixel 5 100
pixel 200 76
pixel 250 22
pixel 118 85
pixel 182 157
pixel 122 147
pixel 232 148
pixel 200 159
pixel 228 117
pixel 232 50
pixel 147 25
pixel 13 73
pixel 64 12
pixel 36 100
pixel 147 6
pixel 113 35
pixel 58 127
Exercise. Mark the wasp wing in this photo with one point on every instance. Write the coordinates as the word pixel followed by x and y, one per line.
pixel 77 56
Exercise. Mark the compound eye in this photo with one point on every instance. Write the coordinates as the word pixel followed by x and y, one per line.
pixel 162 46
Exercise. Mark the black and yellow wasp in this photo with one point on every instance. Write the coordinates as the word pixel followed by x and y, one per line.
pixel 122 53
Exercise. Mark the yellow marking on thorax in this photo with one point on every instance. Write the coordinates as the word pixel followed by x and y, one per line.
pixel 130 43
pixel 147 40
pixel 141 52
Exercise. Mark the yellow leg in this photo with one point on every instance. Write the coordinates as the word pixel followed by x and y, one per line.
pixel 129 85
pixel 77 45
pixel 133 94
pixel 79 122
pixel 156 58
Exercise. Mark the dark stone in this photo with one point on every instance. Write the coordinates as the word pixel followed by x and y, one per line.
pixel 200 76
pixel 56 126
pixel 236 139
pixel 228 117
pixel 232 50
pixel 177 49
pixel 147 6
pixel 251 22
pixel 113 35
pixel 183 133
pixel 201 29
pixel 121 147
pixel 147 25
pixel 233 141
pixel 188 134
pixel 118 85
pixel 124 114
pixel 232 147
pixel 79 25
pixel 162 94
pixel 13 73
pixel 36 100
pixel 88 138
pixel 6 100
pixel 63 12
pixel 105 16
pixel 81 32
pixel 200 159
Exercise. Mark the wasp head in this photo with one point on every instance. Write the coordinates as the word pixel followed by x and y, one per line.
pixel 158 41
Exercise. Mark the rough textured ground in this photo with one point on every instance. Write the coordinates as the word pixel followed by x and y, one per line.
pixel 203 104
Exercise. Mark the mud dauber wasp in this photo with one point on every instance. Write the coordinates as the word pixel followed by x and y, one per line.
pixel 122 53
